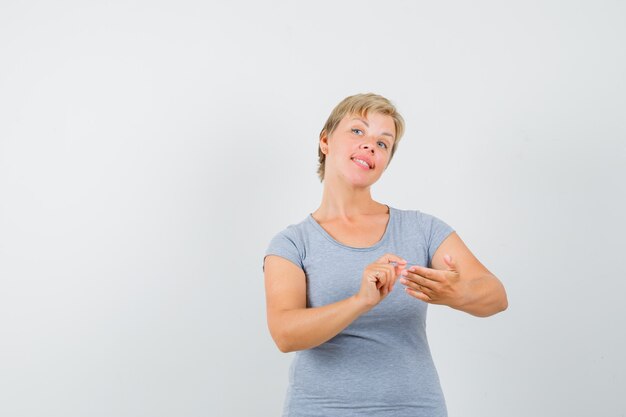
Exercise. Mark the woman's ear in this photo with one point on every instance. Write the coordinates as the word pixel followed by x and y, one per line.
pixel 324 143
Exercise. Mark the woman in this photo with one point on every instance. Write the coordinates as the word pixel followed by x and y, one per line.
pixel 361 346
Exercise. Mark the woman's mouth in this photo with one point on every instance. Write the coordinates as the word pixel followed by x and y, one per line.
pixel 361 163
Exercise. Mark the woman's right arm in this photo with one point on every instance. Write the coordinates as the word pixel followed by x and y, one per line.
pixel 293 326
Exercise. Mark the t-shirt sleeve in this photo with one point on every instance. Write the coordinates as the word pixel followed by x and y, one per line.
pixel 435 232
pixel 284 246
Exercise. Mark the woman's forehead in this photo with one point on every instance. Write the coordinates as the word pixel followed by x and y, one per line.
pixel 369 116
pixel 384 121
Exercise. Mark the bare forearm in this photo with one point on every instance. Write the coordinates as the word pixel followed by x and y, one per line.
pixel 306 328
pixel 486 296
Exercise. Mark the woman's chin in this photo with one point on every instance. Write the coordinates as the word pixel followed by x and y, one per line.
pixel 361 180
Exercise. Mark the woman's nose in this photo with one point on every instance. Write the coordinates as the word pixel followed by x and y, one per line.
pixel 368 146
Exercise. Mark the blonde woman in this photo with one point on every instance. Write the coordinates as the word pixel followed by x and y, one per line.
pixel 331 281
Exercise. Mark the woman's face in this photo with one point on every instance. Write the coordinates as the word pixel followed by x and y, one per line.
pixel 366 138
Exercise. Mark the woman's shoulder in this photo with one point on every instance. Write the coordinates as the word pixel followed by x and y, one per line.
pixel 423 219
pixel 289 243
pixel 294 230
pixel 409 214
pixel 412 211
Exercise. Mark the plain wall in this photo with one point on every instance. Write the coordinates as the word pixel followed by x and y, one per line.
pixel 150 150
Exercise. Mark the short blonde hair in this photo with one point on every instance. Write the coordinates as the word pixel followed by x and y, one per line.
pixel 360 104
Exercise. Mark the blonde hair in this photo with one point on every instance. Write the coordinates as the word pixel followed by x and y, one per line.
pixel 360 104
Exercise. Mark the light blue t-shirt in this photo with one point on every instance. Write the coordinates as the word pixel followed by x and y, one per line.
pixel 380 365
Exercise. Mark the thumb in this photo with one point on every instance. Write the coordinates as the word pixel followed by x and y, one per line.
pixel 451 264
pixel 390 257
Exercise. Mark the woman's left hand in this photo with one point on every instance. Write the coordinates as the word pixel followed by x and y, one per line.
pixel 435 286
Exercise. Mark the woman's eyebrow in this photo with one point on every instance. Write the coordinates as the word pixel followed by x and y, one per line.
pixel 361 120
pixel 367 124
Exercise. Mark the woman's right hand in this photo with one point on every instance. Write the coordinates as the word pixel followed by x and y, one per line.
pixel 379 278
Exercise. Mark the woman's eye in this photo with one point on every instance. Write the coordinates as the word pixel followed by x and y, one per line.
pixel 383 144
pixel 357 131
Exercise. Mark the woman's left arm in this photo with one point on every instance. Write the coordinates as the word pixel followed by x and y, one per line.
pixel 458 280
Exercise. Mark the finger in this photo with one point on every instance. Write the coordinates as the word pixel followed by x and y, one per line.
pixel 379 275
pixel 389 278
pixel 393 282
pixel 398 268
pixel 396 263
pixel 427 273
pixel 418 287
pixel 419 295
pixel 384 292
pixel 390 257
pixel 450 262
pixel 387 274
pixel 397 272
pixel 378 282
pixel 371 275
pixel 410 277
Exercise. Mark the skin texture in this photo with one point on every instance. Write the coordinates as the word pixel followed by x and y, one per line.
pixel 356 135
pixel 457 279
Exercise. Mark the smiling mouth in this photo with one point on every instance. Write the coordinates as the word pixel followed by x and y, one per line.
pixel 361 163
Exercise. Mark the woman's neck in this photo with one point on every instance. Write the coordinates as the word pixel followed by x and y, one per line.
pixel 346 203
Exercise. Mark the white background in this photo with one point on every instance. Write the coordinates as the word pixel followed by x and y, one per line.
pixel 150 150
